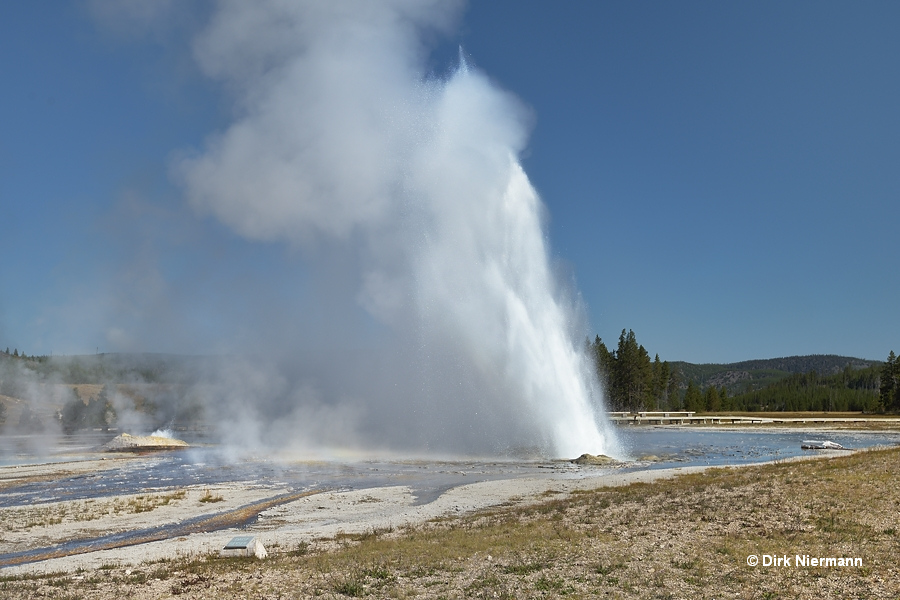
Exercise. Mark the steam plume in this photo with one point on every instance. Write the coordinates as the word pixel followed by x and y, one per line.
pixel 341 143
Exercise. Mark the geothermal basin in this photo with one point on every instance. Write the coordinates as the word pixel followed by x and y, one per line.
pixel 76 508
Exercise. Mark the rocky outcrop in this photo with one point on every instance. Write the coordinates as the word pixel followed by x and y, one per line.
pixel 142 443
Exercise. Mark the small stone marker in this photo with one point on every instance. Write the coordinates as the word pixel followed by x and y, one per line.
pixel 244 545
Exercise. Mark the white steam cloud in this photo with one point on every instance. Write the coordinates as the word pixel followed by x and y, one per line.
pixel 341 140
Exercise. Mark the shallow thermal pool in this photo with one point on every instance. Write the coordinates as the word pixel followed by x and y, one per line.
pixel 679 445
pixel 650 447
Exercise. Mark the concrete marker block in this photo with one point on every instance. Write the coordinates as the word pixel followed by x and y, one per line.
pixel 244 545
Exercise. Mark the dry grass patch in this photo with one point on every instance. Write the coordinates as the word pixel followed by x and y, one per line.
pixel 77 511
pixel 208 496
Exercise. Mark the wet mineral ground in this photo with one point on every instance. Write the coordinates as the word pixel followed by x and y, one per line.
pixel 100 506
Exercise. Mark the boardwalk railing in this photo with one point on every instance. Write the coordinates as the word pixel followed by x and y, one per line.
pixel 691 418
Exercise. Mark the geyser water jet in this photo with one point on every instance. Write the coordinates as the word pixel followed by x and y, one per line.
pixel 342 140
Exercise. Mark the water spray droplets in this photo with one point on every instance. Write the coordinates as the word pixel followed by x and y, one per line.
pixel 422 177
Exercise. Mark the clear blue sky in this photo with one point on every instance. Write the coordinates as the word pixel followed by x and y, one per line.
pixel 722 178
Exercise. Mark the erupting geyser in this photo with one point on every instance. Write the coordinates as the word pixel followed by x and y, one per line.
pixel 342 140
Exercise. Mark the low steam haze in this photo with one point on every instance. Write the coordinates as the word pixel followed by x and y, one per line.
pixel 427 314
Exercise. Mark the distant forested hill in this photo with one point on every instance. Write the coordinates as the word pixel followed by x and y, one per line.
pixel 849 390
pixel 749 375
pixel 819 382
pixel 633 382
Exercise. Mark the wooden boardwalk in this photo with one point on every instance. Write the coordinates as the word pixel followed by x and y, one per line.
pixel 691 418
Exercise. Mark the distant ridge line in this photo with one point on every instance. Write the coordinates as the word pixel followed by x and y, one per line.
pixel 749 375
pixel 792 364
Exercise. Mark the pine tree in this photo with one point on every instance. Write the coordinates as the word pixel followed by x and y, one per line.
pixel 665 376
pixel 631 376
pixel 72 414
pixel 693 399
pixel 672 389
pixel 603 362
pixel 889 393
pixel 630 379
pixel 724 400
pixel 105 413
pixel 712 400
pixel 657 384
